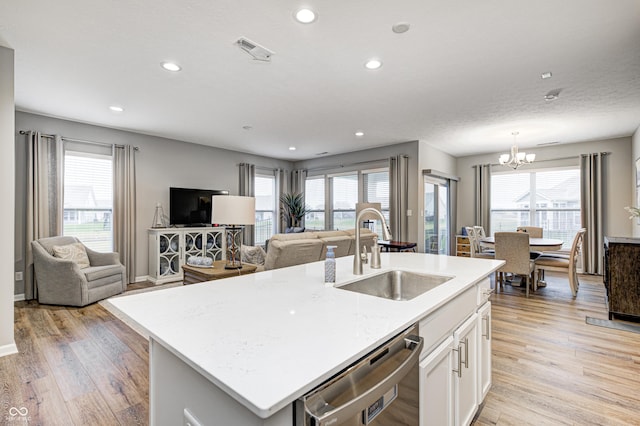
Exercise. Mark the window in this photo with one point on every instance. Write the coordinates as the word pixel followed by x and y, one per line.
pixel 265 208
pixel 376 190
pixel 549 199
pixel 331 199
pixel 314 202
pixel 344 196
pixel 88 199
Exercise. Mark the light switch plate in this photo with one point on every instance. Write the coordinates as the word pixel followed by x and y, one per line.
pixel 19 276
pixel 409 212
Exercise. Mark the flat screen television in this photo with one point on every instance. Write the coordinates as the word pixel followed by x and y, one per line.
pixel 191 207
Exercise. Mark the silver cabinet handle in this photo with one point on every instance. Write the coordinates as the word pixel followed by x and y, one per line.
pixel 351 408
pixel 459 370
pixel 487 320
pixel 466 352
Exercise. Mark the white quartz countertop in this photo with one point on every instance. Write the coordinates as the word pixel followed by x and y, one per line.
pixel 268 338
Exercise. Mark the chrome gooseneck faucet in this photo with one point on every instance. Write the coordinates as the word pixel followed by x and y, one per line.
pixel 357 260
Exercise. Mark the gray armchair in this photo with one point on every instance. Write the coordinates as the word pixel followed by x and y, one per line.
pixel 62 282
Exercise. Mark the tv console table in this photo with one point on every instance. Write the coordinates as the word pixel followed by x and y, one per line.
pixel 170 248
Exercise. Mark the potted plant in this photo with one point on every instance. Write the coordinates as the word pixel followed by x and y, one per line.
pixel 293 211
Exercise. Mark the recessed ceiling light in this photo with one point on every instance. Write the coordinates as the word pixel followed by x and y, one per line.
pixel 552 95
pixel 359 133
pixel 546 75
pixel 305 16
pixel 292 148
pixel 373 64
pixel 400 27
pixel 171 66
pixel 247 127
pixel 116 108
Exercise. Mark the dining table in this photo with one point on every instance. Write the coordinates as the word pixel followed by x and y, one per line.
pixel 535 244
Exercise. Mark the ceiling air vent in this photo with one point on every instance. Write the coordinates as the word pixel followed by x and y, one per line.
pixel 258 52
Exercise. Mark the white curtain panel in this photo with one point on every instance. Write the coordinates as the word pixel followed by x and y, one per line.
pixel 592 177
pixel 44 197
pixel 124 207
pixel 246 187
pixel 482 196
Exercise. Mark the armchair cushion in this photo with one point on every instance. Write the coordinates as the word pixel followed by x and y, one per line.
pixel 74 252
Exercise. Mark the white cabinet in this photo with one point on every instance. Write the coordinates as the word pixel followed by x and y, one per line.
pixel 170 248
pixel 465 340
pixel 437 402
pixel 484 351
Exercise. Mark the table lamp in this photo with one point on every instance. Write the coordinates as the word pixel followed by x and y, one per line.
pixel 233 211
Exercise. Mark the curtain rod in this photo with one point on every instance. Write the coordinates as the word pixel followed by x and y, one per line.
pixel 336 166
pixel 44 135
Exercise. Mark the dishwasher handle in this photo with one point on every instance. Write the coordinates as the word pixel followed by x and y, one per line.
pixel 352 407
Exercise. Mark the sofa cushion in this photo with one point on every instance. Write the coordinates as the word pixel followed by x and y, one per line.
pixel 74 252
pixel 289 253
pixel 299 236
pixel 253 254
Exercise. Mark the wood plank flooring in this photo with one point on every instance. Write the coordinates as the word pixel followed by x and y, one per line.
pixel 82 366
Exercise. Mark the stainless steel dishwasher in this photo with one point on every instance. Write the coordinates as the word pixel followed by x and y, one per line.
pixel 379 389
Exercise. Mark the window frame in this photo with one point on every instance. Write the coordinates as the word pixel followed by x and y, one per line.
pixel 273 211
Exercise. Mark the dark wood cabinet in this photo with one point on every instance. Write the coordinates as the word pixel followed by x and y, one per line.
pixel 622 275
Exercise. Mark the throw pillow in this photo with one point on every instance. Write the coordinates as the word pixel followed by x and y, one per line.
pixel 253 254
pixel 74 252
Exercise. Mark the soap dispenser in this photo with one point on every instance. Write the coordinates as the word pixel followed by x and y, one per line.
pixel 330 265
pixel 375 255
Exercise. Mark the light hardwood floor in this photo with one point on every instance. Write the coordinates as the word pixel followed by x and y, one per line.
pixel 82 366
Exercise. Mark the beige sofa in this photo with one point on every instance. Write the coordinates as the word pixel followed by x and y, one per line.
pixel 294 249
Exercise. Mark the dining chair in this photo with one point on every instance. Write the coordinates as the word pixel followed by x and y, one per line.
pixel 562 263
pixel 513 248
pixel 533 231
pixel 474 241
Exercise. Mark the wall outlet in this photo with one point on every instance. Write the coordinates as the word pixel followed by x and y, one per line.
pixel 409 212
pixel 19 276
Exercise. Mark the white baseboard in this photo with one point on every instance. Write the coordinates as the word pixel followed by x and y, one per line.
pixel 142 278
pixel 8 349
pixel 18 297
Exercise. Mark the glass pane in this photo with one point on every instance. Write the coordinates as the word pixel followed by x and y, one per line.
pixel 314 221
pixel 558 189
pixel 345 197
pixel 88 199
pixel 314 194
pixel 376 188
pixel 430 238
pixel 263 227
pixel 265 193
pixel 443 220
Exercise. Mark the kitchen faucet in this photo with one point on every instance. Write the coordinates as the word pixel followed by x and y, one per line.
pixel 357 259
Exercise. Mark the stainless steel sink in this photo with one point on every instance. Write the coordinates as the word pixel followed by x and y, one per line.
pixel 396 285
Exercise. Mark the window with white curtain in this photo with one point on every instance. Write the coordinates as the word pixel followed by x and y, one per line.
pixel 88 199
pixel 265 190
pixel 314 202
pixel 335 208
pixel 549 199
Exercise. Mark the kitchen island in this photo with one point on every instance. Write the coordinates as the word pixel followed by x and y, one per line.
pixel 243 349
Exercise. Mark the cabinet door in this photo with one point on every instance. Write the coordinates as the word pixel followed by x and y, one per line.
pixel 436 386
pixel 193 245
pixel 465 339
pixel 484 351
pixel 168 254
pixel 214 244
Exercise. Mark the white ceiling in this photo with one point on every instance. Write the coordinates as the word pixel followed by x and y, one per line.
pixel 463 78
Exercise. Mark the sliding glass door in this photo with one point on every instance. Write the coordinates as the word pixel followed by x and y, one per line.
pixel 436 215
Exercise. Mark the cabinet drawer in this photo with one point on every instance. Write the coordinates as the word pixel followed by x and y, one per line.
pixel 441 323
pixel 462 240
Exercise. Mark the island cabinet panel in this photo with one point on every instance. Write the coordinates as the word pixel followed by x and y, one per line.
pixel 437 398
pixel 466 371
pixel 622 275
pixel 484 351
pixel 179 393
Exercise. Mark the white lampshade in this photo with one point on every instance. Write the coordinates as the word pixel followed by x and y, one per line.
pixel 233 210
pixel 368 216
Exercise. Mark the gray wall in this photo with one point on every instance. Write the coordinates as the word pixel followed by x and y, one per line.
pixel 616 190
pixel 7 212
pixel 345 162
pixel 160 164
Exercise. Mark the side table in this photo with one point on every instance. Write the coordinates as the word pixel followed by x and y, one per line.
pixel 195 274
pixel 398 245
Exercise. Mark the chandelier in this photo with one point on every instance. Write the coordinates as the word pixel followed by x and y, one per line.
pixel 516 159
